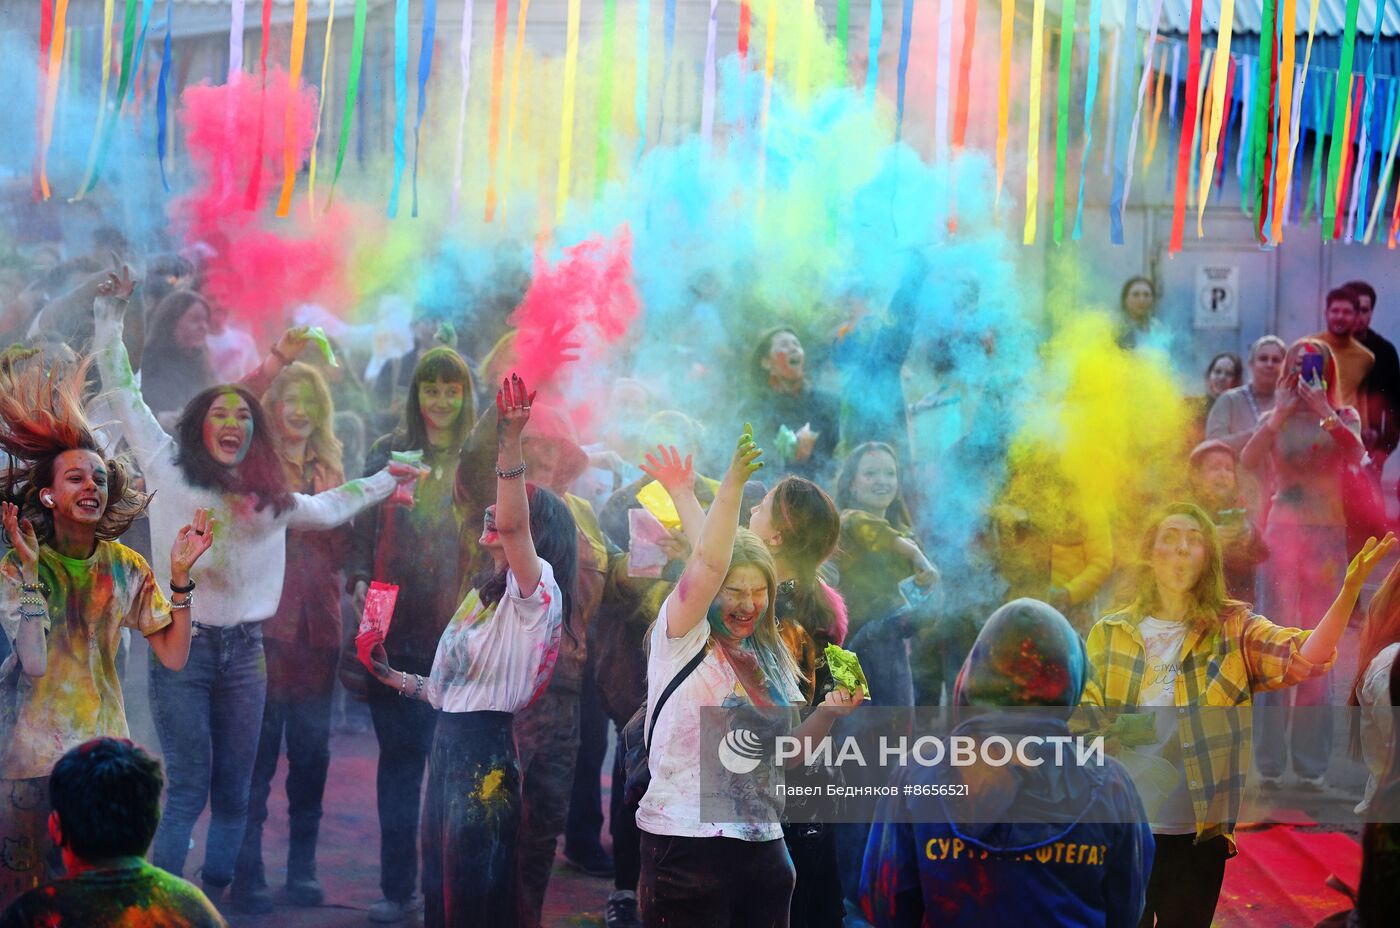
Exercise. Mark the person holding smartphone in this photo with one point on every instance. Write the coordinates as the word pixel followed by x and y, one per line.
pixel 1215 487
pixel 1312 438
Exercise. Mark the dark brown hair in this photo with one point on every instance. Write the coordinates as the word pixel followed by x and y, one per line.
pixel 260 473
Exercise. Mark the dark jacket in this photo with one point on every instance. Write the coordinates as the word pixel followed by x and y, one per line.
pixel 1380 392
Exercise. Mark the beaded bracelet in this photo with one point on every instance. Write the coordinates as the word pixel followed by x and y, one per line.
pixel 511 474
pixel 185 603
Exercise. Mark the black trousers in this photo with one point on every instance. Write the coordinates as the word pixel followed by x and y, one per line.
pixel 546 736
pixel 1185 882
pixel 622 823
pixel 714 883
pixel 816 896
pixel 404 728
pixel 471 816
pixel 585 823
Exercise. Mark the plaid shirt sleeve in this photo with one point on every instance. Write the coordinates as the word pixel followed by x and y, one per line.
pixel 1273 655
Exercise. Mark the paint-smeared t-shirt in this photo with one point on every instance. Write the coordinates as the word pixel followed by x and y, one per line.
pixel 79 697
pixel 499 658
pixel 129 894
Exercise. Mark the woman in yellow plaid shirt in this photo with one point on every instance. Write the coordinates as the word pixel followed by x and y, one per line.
pixel 1181 643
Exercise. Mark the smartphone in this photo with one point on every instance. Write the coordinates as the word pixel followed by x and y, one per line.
pixel 1312 368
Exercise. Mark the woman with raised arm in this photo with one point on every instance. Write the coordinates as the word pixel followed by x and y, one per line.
pixel 221 458
pixel 67 589
pixel 493 659
pixel 717 627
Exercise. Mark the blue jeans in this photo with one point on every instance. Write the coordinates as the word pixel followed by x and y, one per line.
pixel 209 716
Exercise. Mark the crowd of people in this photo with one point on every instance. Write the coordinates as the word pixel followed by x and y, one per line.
pixel 544 588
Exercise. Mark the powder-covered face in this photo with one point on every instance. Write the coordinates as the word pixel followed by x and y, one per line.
pixel 742 601
pixel 1139 301
pixel 876 482
pixel 786 360
pixel 228 429
pixel 1221 376
pixel 1179 554
pixel 1341 318
pixel 297 412
pixel 1215 476
pixel 441 402
pixel 79 490
pixel 761 520
pixel 193 327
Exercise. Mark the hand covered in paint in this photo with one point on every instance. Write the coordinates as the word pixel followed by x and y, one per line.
pixel 1371 554
pixel 841 702
pixel 369 647
pixel 20 533
pixel 1314 398
pixel 669 470
pixel 292 342
pixel 190 544
pixel 745 462
pixel 513 402
pixel 806 441
pixel 117 286
pixel 405 473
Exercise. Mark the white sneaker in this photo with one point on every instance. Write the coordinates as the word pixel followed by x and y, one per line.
pixel 1271 783
pixel 1312 784
pixel 388 912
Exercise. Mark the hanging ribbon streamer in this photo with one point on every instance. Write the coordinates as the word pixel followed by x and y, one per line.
pixel 464 60
pixel 1349 143
pixel 400 101
pixel 1392 136
pixel 425 67
pixel 289 134
pixel 566 121
pixel 53 72
pixel 1111 112
pixel 707 101
pixel 745 27
pixel 1202 124
pixel 1291 205
pixel 123 81
pixel 1123 172
pixel 352 92
pixel 943 80
pixel 100 131
pixel 668 44
pixel 1246 123
pixel 1188 127
pixel 235 40
pixel 1322 102
pixel 250 195
pixel 162 105
pixel 521 18
pixel 965 70
pixel 877 35
pixel 1363 166
pixel 320 110
pixel 603 156
pixel 906 31
pixel 1008 24
pixel 1219 81
pixel 140 44
pixel 843 37
pixel 1287 26
pixel 1091 92
pixel 1339 119
pixel 1265 137
pixel 1296 133
pixel 1222 143
pixel 1062 94
pixel 1155 128
pixel 639 98
pixel 1033 131
pixel 45 44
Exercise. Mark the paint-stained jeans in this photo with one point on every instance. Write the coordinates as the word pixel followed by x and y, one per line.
pixel 208 717
pixel 714 883
pixel 546 733
pixel 404 728
pixel 471 818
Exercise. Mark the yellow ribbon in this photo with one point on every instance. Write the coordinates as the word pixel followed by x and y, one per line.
pixel 1219 74
pixel 566 121
pixel 289 133
pixel 320 107
pixel 102 97
pixel 1033 134
pixel 1008 24
pixel 1285 164
pixel 514 94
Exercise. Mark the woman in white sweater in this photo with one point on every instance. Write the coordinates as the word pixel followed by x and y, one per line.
pixel 221 459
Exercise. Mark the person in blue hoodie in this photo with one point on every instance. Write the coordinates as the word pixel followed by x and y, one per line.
pixel 1079 851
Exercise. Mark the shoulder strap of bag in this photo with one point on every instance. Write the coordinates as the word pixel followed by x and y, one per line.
pixel 676 681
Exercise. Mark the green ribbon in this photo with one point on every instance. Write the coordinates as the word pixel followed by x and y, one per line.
pixel 128 51
pixel 352 90
pixel 1341 96
pixel 1062 97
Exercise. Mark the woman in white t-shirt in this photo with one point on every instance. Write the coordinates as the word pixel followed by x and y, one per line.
pixel 1373 736
pixel 737 870
pixel 495 656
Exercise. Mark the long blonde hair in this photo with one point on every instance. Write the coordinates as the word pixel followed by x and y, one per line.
pixel 765 644
pixel 322 442
pixel 1208 602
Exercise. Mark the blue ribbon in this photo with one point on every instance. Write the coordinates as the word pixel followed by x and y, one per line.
pixel 400 99
pixel 906 26
pixel 425 66
pixel 1091 91
pixel 1127 65
pixel 161 105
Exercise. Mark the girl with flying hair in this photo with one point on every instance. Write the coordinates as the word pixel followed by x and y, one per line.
pixel 718 628
pixel 67 589
pixel 222 457
pixel 1180 644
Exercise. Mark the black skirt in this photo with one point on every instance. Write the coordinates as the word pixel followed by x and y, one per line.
pixel 470 818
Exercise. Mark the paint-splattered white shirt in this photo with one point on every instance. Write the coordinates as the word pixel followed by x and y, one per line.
pixel 499 658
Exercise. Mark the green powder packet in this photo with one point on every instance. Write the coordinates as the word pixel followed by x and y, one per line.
pixel 318 335
pixel 845 669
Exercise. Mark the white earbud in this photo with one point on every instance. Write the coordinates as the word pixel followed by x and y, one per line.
pixel 46 499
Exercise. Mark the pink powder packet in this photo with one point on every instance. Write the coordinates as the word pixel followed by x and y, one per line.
pixel 403 494
pixel 379 608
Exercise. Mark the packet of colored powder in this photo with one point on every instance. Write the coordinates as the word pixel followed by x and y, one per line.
pixel 645 557
pixel 318 335
pixel 403 493
pixel 379 608
pixel 845 669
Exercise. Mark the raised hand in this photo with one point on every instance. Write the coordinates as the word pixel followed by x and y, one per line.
pixel 290 345
pixel 190 543
pixel 513 402
pixel 746 461
pixel 1314 398
pixel 23 540
pixel 1371 554
pixel 117 286
pixel 842 702
pixel 669 470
